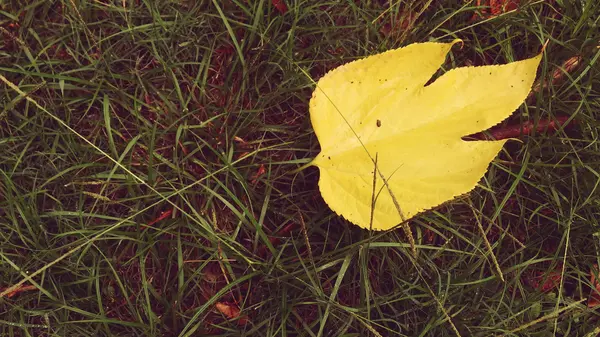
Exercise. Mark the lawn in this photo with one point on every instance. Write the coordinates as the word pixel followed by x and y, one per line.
pixel 149 185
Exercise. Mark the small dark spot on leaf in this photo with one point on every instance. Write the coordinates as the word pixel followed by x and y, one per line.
pixel 490 72
pixel 329 158
pixel 512 86
pixel 351 82
pixel 378 123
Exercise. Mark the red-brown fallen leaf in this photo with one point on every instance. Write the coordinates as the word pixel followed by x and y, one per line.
pixel 594 299
pixel 501 6
pixel 224 51
pixel 514 131
pixel 162 216
pixel 280 6
pixel 398 24
pixel 428 236
pixel 336 51
pixel 231 311
pixel 17 290
pixel 261 170
pixel 148 99
pixel 495 8
pixel 552 280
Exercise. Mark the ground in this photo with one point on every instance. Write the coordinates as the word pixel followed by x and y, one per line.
pixel 148 151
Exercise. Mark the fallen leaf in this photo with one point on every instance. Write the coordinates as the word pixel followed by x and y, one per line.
pixel 495 7
pixel 546 282
pixel 380 106
pixel 399 23
pixel 261 171
pixel 231 311
pixel 280 6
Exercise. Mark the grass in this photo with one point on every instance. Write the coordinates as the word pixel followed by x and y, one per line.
pixel 145 187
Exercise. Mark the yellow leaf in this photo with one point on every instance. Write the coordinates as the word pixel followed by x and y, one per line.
pixel 380 106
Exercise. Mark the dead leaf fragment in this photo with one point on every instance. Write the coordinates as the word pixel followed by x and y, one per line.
pixel 261 171
pixel 231 311
pixel 594 299
pixel 280 6
pixel 17 290
pixel 495 7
